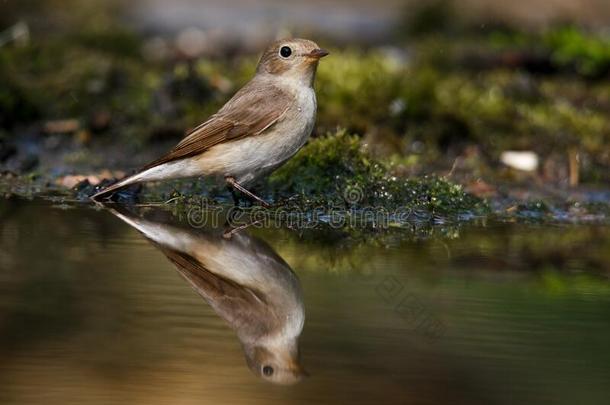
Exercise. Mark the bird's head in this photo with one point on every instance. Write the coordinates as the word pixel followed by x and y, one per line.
pixel 278 364
pixel 292 59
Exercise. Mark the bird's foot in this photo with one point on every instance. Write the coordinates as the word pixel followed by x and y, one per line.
pixel 235 185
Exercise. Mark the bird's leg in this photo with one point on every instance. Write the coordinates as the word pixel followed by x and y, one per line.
pixel 230 232
pixel 230 225
pixel 231 181
pixel 233 194
pixel 236 197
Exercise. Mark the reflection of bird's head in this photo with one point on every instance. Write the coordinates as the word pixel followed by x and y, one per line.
pixel 278 364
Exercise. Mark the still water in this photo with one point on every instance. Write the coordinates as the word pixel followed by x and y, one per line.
pixel 117 306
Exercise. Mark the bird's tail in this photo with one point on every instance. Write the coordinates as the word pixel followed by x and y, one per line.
pixel 108 191
pixel 152 172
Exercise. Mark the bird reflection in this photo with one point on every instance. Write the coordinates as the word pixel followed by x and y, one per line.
pixel 246 283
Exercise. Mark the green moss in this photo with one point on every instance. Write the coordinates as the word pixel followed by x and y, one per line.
pixel 116 41
pixel 356 89
pixel 572 48
pixel 430 17
pixel 323 163
pixel 430 100
pixel 496 110
pixel 68 81
pixel 86 74
pixel 338 169
pixel 497 119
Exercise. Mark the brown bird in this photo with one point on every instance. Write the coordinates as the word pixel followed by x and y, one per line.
pixel 256 131
pixel 246 283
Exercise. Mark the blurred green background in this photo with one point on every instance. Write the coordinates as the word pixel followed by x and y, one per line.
pixel 430 86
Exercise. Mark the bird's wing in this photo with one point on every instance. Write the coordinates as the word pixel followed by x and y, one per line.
pixel 252 110
pixel 244 309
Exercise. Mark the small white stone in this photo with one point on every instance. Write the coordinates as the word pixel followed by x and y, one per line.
pixel 521 160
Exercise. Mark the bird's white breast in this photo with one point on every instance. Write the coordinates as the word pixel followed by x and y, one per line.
pixel 248 158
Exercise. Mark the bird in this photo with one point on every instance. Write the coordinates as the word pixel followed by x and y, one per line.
pixel 245 282
pixel 262 126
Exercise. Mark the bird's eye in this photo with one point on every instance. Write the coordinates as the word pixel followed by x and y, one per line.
pixel 268 371
pixel 285 51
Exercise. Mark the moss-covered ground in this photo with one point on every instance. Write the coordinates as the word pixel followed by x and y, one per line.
pixel 421 124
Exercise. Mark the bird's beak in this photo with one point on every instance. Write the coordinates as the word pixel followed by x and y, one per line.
pixel 297 370
pixel 317 53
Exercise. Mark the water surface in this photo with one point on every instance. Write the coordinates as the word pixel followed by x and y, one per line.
pixel 91 311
